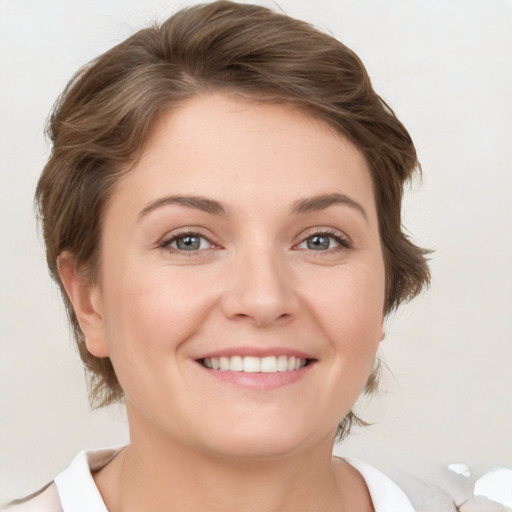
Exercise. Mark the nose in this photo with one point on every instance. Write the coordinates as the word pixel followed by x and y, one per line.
pixel 260 290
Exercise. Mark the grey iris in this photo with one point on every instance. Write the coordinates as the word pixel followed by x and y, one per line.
pixel 188 243
pixel 318 242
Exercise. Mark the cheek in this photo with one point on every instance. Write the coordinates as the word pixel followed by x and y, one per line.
pixel 155 310
pixel 347 307
pixel 144 323
pixel 350 304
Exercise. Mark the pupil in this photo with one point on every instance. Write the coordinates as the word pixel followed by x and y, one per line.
pixel 318 242
pixel 188 243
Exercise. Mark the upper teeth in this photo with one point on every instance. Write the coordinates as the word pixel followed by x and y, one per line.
pixel 251 364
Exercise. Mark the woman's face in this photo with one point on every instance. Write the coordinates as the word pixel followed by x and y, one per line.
pixel 245 237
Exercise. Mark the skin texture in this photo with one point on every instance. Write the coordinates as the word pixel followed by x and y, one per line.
pixel 256 283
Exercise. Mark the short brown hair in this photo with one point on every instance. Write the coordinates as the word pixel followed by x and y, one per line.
pixel 102 120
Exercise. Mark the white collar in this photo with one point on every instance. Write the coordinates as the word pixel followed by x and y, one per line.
pixel 385 494
pixel 75 485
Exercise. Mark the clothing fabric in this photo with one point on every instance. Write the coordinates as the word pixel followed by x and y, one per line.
pixel 74 490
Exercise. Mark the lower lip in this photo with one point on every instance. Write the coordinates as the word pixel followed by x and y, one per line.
pixel 260 380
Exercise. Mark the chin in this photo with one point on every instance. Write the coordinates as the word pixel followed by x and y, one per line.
pixel 266 440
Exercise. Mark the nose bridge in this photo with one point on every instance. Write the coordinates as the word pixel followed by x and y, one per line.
pixel 261 285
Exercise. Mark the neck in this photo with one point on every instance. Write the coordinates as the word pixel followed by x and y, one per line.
pixel 197 481
pixel 164 476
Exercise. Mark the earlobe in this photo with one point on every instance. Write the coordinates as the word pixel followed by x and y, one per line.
pixel 86 300
pixel 382 331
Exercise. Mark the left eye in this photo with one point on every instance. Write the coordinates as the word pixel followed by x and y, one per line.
pixel 188 242
pixel 322 242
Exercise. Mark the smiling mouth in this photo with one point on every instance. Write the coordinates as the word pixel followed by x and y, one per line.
pixel 251 364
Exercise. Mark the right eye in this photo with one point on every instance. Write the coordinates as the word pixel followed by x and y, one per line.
pixel 188 242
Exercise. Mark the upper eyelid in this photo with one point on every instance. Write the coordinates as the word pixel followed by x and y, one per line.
pixel 167 239
pixel 187 230
pixel 336 233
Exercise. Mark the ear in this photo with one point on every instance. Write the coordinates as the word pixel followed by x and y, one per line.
pixel 87 303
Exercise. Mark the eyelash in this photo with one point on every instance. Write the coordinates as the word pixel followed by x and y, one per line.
pixel 343 241
pixel 166 243
pixel 339 238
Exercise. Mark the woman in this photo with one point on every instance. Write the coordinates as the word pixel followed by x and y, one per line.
pixel 222 212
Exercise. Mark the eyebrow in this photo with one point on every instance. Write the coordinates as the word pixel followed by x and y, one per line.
pixel 310 204
pixel 321 202
pixel 190 201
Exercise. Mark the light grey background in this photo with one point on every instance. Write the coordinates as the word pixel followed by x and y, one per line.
pixel 446 68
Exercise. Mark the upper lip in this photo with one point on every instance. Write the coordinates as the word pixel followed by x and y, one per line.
pixel 256 352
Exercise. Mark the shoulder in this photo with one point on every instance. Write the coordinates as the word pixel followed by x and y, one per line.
pixel 73 489
pixel 435 487
pixel 44 500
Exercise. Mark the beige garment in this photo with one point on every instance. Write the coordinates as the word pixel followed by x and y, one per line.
pixel 433 487
pixel 46 500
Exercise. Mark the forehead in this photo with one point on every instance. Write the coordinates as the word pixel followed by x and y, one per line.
pixel 227 148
